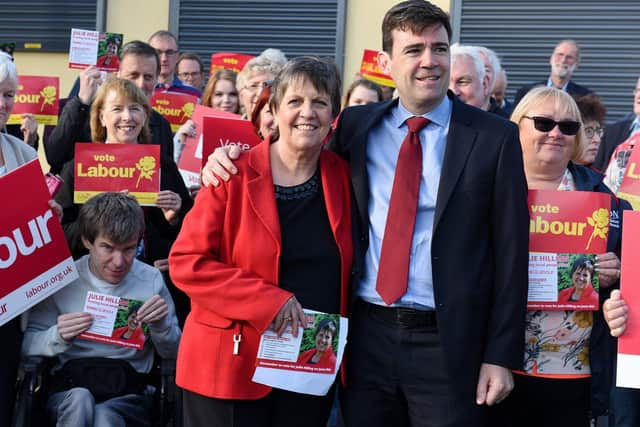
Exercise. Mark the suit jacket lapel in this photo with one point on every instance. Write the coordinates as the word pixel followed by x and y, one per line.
pixel 460 140
pixel 261 191
pixel 358 154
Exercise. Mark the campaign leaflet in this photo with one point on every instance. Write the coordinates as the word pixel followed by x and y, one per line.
pixel 116 167
pixel 95 48
pixel 307 363
pixel 177 108
pixel 114 321
pixel 35 261
pixel 228 61
pixel 628 370
pixel 630 185
pixel 191 159
pixel 567 230
pixel 370 70
pixel 39 96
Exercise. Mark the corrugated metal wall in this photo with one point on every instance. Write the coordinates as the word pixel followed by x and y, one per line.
pixel 296 27
pixel 524 34
pixel 48 23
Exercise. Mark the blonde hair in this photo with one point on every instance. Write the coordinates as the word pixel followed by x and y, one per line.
pixel 562 102
pixel 126 90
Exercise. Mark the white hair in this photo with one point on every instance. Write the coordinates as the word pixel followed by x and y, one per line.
pixel 496 67
pixel 275 55
pixel 471 52
pixel 8 70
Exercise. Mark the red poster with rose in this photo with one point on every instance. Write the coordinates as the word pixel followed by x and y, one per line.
pixel 39 96
pixel 177 108
pixel 628 370
pixel 117 167
pixel 370 70
pixel 567 230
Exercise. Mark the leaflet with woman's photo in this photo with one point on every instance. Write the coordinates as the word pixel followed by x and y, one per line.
pixel 114 321
pixel 566 232
pixel 307 363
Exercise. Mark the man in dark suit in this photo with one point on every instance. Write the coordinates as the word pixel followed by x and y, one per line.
pixel 564 61
pixel 441 349
pixel 618 132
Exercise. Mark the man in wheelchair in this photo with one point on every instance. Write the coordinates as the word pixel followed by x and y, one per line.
pixel 98 379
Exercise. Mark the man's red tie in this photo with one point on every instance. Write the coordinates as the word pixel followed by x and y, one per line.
pixel 393 273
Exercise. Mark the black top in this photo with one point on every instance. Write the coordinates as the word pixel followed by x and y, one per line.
pixel 310 260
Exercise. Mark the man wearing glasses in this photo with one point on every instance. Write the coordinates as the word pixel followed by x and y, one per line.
pixel 564 62
pixel 190 70
pixel 166 46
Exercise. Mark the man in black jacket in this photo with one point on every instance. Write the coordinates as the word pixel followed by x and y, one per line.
pixel 618 132
pixel 563 61
pixel 140 64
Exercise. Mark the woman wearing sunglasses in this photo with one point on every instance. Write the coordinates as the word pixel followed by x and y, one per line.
pixel 565 377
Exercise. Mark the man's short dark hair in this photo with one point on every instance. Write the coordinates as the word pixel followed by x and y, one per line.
pixel 412 15
pixel 140 48
pixel 115 216
pixel 191 56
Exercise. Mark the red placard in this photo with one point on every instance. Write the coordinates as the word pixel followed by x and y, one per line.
pixel 117 167
pixel 370 70
pixel 35 261
pixel 565 227
pixel 229 61
pixel 39 96
pixel 222 131
pixel 191 159
pixel 628 371
pixel 630 185
pixel 177 108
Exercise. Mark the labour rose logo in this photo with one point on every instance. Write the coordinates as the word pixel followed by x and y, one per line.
pixel 48 94
pixel 187 110
pixel 146 165
pixel 599 220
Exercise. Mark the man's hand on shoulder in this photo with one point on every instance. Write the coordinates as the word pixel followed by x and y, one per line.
pixel 494 384
pixel 220 166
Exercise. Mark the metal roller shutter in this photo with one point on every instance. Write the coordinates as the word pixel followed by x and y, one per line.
pixel 44 25
pixel 524 33
pixel 296 27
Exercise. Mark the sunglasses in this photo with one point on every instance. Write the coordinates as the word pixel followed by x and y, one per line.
pixel 545 124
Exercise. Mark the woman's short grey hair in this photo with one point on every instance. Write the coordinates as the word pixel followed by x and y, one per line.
pixel 321 73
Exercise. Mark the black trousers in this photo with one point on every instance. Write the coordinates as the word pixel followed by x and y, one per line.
pixel 278 409
pixel 396 375
pixel 11 339
pixel 544 402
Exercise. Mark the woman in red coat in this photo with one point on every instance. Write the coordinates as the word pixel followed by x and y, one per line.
pixel 257 249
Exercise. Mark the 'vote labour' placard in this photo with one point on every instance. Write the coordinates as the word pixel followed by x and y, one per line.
pixel 567 230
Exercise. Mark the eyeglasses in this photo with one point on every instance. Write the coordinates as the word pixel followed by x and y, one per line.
pixel 257 86
pixel 545 124
pixel 168 52
pixel 187 75
pixel 590 132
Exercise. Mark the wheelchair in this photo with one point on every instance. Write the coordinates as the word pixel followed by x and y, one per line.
pixel 34 378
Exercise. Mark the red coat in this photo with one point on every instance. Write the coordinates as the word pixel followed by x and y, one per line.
pixel 328 359
pixel 226 260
